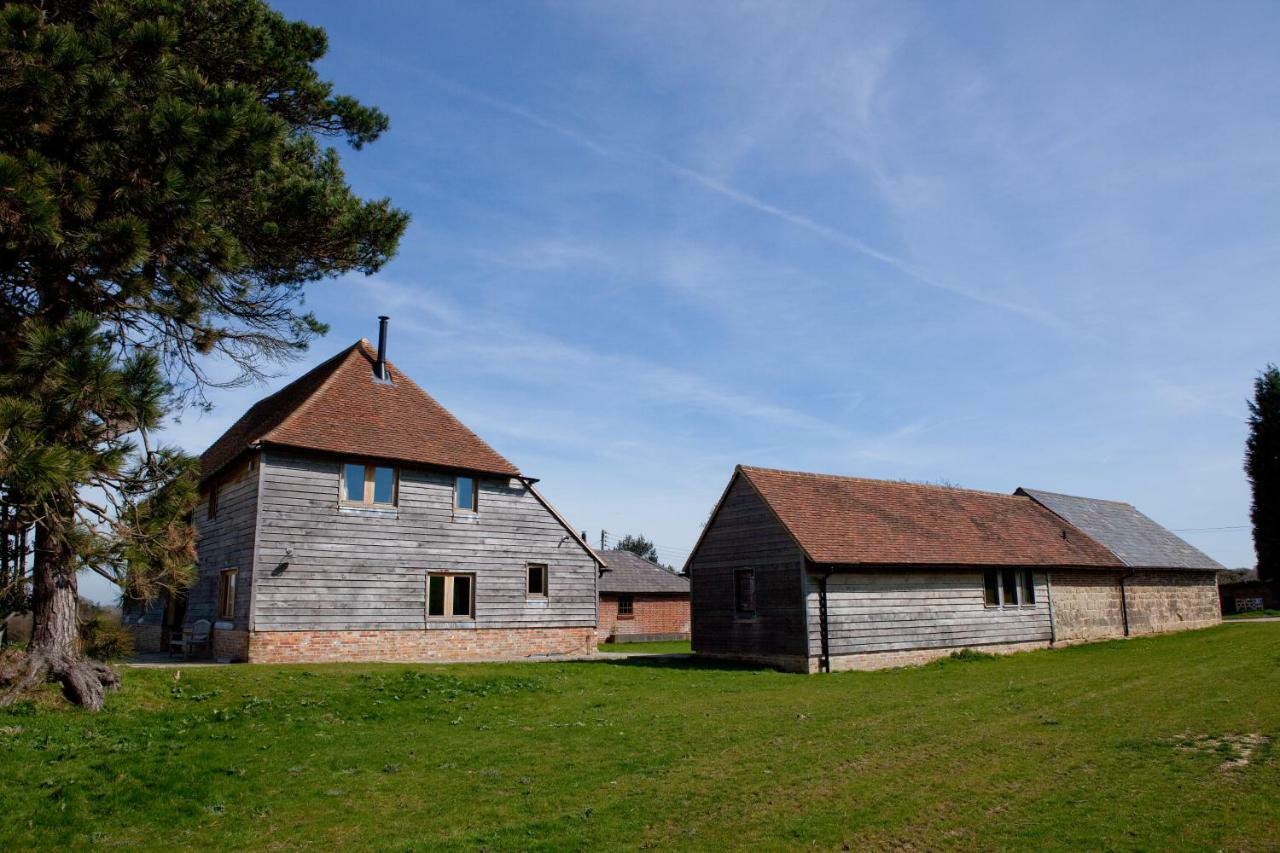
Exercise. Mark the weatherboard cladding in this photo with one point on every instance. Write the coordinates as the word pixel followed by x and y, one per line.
pixel 629 573
pixel 338 407
pixel 850 521
pixel 1135 539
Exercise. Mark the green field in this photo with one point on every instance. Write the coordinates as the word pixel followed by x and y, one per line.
pixel 1255 614
pixel 661 647
pixel 1159 743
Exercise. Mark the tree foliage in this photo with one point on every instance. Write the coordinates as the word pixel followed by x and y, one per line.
pixel 639 546
pixel 1262 464
pixel 166 192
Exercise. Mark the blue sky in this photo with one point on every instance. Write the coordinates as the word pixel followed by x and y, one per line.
pixel 997 244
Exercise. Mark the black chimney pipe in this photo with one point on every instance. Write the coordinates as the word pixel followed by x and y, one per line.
pixel 380 368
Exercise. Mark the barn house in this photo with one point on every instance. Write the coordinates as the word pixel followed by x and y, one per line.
pixel 640 600
pixel 812 572
pixel 350 517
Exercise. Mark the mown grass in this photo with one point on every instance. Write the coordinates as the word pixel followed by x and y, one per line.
pixel 657 647
pixel 1122 745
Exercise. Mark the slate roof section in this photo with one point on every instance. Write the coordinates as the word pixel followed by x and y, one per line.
pixel 1135 539
pixel 629 573
pixel 338 407
pixel 851 521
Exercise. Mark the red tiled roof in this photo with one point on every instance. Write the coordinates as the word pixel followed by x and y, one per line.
pixel 850 521
pixel 338 407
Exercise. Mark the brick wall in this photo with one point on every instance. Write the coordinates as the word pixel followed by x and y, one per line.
pixel 228 644
pixel 429 646
pixel 659 615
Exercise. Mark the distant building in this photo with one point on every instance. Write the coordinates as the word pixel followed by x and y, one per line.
pixel 815 572
pixel 640 600
pixel 1240 591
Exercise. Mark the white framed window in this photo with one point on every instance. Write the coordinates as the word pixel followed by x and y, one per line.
pixel 1008 588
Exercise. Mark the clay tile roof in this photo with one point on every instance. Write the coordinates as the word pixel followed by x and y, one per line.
pixel 1133 537
pixel 628 572
pixel 338 407
pixel 851 521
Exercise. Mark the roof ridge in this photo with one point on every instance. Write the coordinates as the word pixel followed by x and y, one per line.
pixel 1078 497
pixel 897 483
pixel 339 361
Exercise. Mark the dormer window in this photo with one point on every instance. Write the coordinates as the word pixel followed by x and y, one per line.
pixel 368 485
pixel 466 495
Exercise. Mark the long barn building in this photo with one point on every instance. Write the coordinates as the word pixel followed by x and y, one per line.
pixel 813 572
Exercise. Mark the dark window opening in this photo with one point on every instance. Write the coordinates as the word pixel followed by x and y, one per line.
pixel 213 501
pixel 1010 579
pixel 1028 587
pixel 450 596
pixel 537 580
pixel 991 588
pixel 626 606
pixel 744 592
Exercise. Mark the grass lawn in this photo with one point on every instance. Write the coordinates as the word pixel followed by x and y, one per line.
pixel 664 647
pixel 1254 614
pixel 1157 743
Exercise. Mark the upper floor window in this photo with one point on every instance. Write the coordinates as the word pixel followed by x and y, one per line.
pixel 466 495
pixel 212 509
pixel 372 485
pixel 744 592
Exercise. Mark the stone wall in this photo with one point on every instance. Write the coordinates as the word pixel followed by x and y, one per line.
pixel 652 616
pixel 228 644
pixel 1086 606
pixel 146 638
pixel 423 646
pixel 1172 601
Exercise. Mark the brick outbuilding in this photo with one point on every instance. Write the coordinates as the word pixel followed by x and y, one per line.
pixel 640 600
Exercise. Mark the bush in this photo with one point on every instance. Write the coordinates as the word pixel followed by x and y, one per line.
pixel 970 654
pixel 104 638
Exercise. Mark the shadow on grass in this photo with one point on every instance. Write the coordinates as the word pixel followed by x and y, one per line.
pixel 685 661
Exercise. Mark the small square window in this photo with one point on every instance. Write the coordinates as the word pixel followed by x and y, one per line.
pixel 537 587
pixel 626 606
pixel 466 494
pixel 744 592
pixel 450 596
pixel 371 485
pixel 227 595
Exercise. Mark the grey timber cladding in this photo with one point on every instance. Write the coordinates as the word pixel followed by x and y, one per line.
pixel 913 609
pixel 744 533
pixel 366 569
pixel 1138 541
pixel 226 542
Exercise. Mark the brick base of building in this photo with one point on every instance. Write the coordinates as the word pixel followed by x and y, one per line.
pixel 415 646
pixel 652 615
pixel 229 645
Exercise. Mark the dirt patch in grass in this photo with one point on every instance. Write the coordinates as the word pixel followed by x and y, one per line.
pixel 1237 750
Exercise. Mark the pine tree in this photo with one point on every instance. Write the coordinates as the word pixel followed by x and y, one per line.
pixel 1262 464
pixel 165 195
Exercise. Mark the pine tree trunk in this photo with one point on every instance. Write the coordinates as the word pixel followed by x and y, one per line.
pixel 54 653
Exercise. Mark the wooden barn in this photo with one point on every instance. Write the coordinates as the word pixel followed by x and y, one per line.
pixel 641 601
pixel 812 572
pixel 350 517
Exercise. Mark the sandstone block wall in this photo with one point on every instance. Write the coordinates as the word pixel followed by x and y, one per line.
pixel 1086 606
pixel 417 646
pixel 1172 601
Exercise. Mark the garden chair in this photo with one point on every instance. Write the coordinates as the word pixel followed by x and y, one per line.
pixel 194 637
